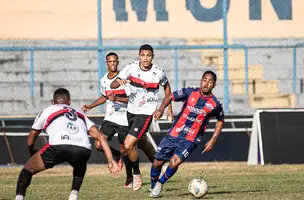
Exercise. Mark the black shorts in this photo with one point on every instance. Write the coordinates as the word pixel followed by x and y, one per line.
pixel 55 154
pixel 139 124
pixel 110 128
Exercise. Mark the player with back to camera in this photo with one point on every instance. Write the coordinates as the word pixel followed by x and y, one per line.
pixel 144 79
pixel 115 120
pixel 68 131
pixel 200 105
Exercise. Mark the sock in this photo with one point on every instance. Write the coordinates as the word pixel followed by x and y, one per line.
pixel 151 159
pixel 168 174
pixel 154 175
pixel 19 197
pixel 24 181
pixel 73 195
pixel 129 173
pixel 135 166
pixel 76 184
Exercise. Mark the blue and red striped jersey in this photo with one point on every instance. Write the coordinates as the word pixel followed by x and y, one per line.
pixel 195 115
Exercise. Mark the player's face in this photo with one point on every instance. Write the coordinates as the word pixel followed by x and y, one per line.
pixel 112 63
pixel 207 84
pixel 145 57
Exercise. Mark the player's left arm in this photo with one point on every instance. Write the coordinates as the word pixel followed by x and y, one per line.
pixel 219 114
pixel 167 89
pixel 31 141
pixel 34 132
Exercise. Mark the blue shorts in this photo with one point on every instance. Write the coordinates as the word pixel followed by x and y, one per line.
pixel 171 145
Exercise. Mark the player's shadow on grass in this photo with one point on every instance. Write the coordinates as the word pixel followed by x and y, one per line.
pixel 231 192
pixel 148 183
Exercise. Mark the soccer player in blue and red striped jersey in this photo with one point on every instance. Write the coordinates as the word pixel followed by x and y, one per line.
pixel 200 105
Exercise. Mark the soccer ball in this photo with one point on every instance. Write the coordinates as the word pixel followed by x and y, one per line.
pixel 198 187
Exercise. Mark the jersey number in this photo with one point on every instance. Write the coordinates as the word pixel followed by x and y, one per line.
pixel 185 153
pixel 71 115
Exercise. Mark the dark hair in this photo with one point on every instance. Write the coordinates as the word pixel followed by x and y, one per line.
pixel 112 54
pixel 146 47
pixel 211 73
pixel 62 94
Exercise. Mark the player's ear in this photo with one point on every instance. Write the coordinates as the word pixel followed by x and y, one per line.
pixel 69 102
pixel 53 102
pixel 152 56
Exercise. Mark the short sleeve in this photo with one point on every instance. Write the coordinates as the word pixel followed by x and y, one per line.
pixel 125 73
pixel 39 121
pixel 102 88
pixel 182 94
pixel 89 123
pixel 219 113
pixel 163 79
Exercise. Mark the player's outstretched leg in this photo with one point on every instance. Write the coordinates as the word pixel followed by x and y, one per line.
pixel 146 146
pixel 129 144
pixel 32 166
pixel 156 171
pixel 79 171
pixel 170 171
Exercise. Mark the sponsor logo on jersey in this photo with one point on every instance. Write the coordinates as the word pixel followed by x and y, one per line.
pixel 135 129
pixel 72 128
pixel 210 106
pixel 73 138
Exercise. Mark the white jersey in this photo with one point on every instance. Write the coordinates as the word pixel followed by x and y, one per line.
pixel 144 87
pixel 116 112
pixel 64 125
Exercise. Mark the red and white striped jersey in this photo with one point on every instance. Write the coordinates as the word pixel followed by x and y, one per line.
pixel 64 125
pixel 144 87
pixel 116 111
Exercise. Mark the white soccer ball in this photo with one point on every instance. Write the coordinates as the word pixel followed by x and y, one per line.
pixel 198 187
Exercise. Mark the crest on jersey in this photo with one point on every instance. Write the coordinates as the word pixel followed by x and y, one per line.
pixel 210 106
pixel 72 128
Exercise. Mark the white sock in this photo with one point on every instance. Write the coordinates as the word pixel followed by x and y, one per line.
pixel 19 197
pixel 73 195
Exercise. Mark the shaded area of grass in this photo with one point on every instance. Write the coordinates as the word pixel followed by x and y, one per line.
pixel 225 181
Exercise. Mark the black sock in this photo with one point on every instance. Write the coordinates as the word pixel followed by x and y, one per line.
pixel 135 166
pixel 151 159
pixel 129 173
pixel 24 181
pixel 76 184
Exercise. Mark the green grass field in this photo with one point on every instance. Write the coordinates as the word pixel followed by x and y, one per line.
pixel 225 181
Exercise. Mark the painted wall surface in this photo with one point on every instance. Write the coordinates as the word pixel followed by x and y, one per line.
pixel 70 19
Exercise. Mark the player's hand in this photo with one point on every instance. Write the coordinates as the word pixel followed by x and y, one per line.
pixel 112 97
pixel 86 108
pixel 157 114
pixel 113 168
pixel 123 82
pixel 209 146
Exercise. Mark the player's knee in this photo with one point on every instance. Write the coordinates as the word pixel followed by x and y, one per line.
pixel 157 164
pixel 128 147
pixel 175 162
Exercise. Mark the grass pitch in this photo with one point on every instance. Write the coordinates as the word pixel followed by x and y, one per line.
pixel 225 180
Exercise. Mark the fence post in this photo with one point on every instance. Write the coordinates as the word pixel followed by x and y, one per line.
pixel 294 78
pixel 32 83
pixel 101 63
pixel 246 71
pixel 176 68
pixel 225 51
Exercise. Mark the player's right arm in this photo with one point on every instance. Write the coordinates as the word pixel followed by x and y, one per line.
pixel 180 95
pixel 98 102
pixel 122 77
pixel 101 138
